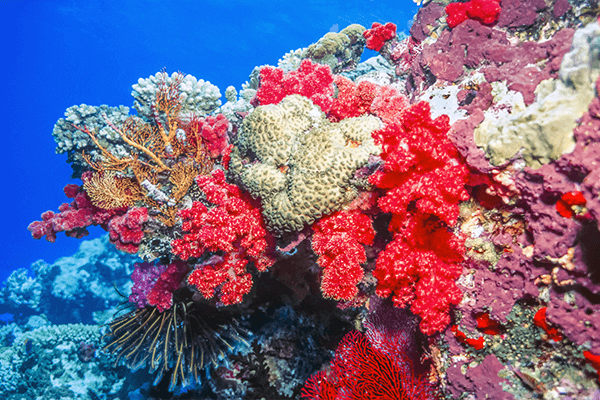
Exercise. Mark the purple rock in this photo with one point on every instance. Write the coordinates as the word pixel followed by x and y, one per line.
pixel 428 15
pixel 482 381
pixel 519 13
pixel 560 8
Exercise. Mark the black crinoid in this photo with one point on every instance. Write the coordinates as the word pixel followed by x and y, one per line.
pixel 181 341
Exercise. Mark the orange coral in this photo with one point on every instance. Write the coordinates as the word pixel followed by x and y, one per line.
pixel 160 166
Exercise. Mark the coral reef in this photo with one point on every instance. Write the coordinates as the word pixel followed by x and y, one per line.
pixel 47 362
pixel 435 208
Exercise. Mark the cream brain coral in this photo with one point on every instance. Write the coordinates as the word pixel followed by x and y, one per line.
pixel 298 162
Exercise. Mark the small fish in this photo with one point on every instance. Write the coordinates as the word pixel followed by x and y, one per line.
pixel 528 380
pixel 28 346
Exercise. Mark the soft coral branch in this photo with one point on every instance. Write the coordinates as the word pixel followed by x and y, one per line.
pixel 424 179
pixel 338 240
pixel 232 226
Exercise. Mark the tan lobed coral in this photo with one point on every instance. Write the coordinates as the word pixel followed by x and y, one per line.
pixel 339 50
pixel 298 162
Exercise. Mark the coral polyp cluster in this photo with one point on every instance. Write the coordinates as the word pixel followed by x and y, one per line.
pixel 435 208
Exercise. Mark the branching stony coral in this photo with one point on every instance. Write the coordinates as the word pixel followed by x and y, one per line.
pixel 73 141
pixel 298 163
pixel 198 96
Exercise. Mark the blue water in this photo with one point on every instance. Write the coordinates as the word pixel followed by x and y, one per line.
pixel 56 54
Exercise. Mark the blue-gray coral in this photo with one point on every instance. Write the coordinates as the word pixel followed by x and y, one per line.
pixel 76 288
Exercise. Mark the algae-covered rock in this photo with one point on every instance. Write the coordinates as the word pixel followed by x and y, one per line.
pixel 543 131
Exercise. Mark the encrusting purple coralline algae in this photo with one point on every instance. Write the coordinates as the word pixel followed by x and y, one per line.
pixel 455 177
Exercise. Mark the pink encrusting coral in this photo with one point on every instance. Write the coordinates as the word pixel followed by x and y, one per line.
pixel 339 241
pixel 233 226
pixel 424 179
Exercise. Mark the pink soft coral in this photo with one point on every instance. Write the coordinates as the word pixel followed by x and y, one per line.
pixel 338 239
pixel 73 218
pixel 161 294
pixel 212 130
pixel 424 179
pixel 234 227
pixel 126 231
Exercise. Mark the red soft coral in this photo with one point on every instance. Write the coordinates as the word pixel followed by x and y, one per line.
pixel 424 177
pixel 484 11
pixel 540 320
pixel 234 227
pixel 338 239
pixel 311 80
pixel 352 99
pixel 212 130
pixel 379 34
pixel 572 204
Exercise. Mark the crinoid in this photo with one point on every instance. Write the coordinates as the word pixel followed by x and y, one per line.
pixel 181 340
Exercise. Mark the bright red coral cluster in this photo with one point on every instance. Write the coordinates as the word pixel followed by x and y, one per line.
pixel 360 371
pixel 594 360
pixel 569 202
pixel 352 99
pixel 477 344
pixel 234 227
pixel 310 80
pixel 484 11
pixel 338 239
pixel 424 179
pixel 379 34
pixel 73 218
